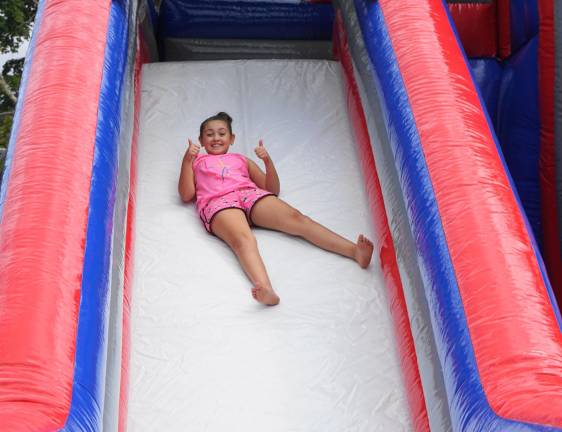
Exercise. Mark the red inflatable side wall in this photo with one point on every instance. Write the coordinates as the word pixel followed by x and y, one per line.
pixel 384 241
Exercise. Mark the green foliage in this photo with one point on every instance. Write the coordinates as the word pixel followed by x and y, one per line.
pixel 16 20
pixel 2 163
pixel 5 128
pixel 12 72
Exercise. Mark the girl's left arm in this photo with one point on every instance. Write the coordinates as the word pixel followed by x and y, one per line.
pixel 268 181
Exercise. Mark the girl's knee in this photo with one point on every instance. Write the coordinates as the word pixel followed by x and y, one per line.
pixel 242 240
pixel 298 222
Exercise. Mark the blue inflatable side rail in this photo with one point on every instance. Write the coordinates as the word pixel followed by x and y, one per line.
pixel 245 20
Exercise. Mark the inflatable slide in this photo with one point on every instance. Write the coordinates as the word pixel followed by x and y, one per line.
pixel 119 312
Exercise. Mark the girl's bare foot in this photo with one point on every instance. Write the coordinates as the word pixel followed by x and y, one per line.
pixel 364 251
pixel 265 295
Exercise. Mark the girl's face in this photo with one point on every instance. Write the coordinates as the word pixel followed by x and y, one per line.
pixel 216 137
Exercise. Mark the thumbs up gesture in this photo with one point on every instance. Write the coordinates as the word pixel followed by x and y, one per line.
pixel 192 151
pixel 261 152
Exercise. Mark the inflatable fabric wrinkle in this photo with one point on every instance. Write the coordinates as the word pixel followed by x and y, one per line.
pixel 143 55
pixel 115 335
pixel 455 389
pixel 558 112
pixel 477 25
pixel 385 246
pixel 530 204
pixel 429 364
pixel 55 265
pixel 245 20
pixel 547 155
pixel 93 322
pixel 231 49
pixel 497 421
pixel 530 22
pixel 505 80
pixel 28 64
pixel 440 314
pixel 148 18
pixel 524 22
pixel 330 109
pixel 530 231
pixel 504 28
pixel 487 75
pixel 518 130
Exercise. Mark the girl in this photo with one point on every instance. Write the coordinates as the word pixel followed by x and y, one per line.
pixel 232 193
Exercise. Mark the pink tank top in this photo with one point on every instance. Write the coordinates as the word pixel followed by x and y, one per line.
pixel 217 175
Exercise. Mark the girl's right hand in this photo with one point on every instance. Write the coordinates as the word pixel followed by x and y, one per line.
pixel 192 151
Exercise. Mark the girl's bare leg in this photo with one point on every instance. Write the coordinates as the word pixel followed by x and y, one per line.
pixel 231 226
pixel 273 213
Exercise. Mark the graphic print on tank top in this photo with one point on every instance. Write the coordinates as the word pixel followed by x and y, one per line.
pixel 225 169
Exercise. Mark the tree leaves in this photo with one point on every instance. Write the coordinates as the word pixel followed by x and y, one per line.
pixel 16 18
pixel 16 21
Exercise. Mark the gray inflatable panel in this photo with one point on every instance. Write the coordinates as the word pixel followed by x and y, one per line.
pixel 420 321
pixel 234 49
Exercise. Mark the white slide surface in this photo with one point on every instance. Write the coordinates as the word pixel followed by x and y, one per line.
pixel 205 356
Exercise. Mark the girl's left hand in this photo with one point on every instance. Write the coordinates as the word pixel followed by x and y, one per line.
pixel 261 152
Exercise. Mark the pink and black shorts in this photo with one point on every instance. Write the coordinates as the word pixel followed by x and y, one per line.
pixel 243 199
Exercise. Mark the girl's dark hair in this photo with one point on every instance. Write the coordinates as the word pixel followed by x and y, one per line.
pixel 219 116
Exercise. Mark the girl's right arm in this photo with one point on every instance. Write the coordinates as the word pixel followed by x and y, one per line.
pixel 186 184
